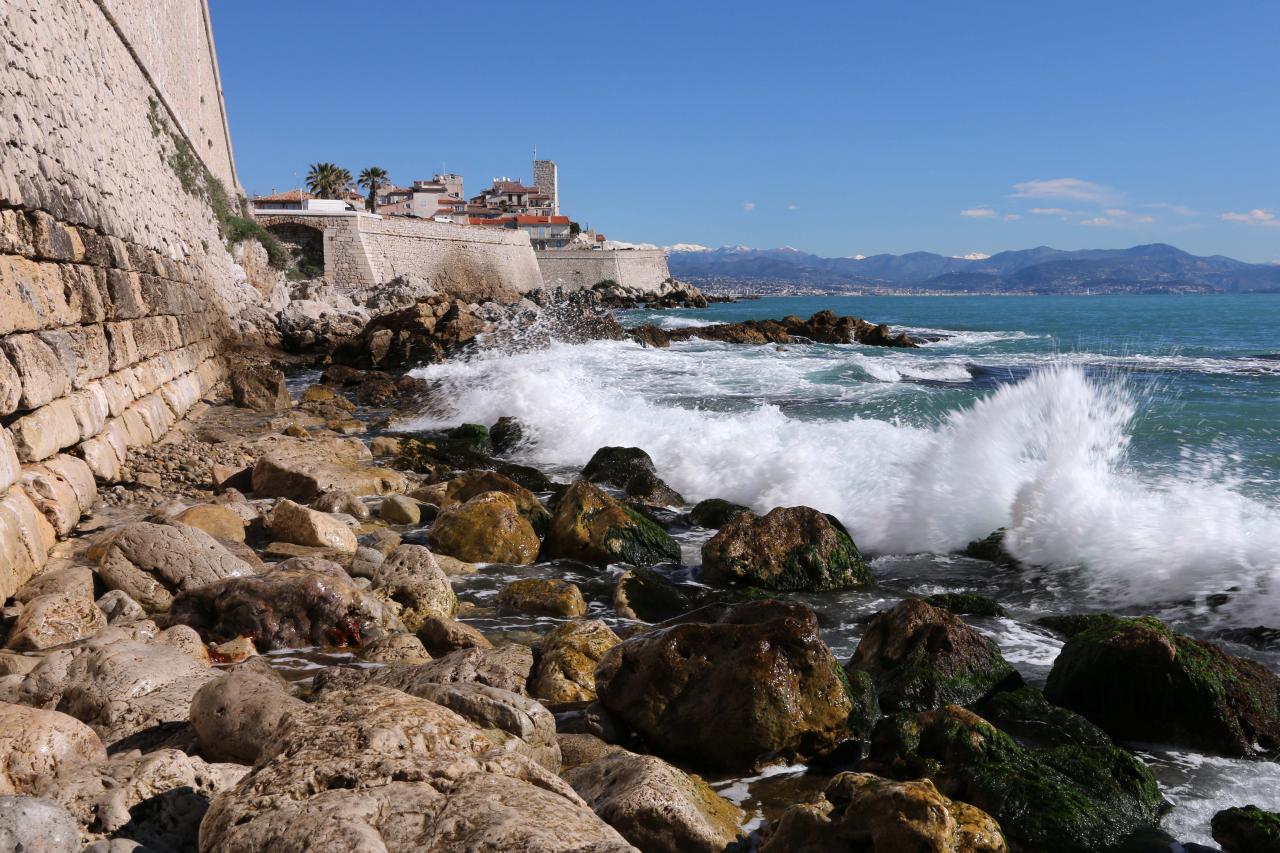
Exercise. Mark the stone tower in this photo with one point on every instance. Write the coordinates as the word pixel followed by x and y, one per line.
pixel 546 179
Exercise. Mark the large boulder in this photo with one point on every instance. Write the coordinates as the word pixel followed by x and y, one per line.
pixel 360 769
pixel 654 805
pixel 714 513
pixel 259 386
pixel 541 597
pixel 1247 829
pixel 411 578
pixel 304 469
pixel 440 636
pixel 298 525
pixel 506 667
pixel 156 798
pixel 567 664
pixel 730 686
pixel 470 484
pixel 303 601
pixel 590 526
pixel 35 744
pixel 1072 797
pixel 117 686
pixel 616 465
pixel 1139 680
pixel 488 528
pixel 859 811
pixel 216 520
pixel 54 619
pixel 233 716
pixel 153 562
pixel 922 657
pixel 790 548
pixel 36 825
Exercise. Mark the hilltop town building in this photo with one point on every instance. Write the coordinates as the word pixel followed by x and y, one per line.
pixel 299 200
pixel 425 199
pixel 547 179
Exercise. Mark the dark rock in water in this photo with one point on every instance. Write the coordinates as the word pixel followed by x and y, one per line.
pixel 1259 637
pixel 1070 624
pixel 790 548
pixel 649 489
pixel 1037 724
pixel 966 604
pixel 341 374
pixel 1247 829
pixel 473 437
pixel 506 434
pixel 650 335
pixel 304 601
pixel 527 476
pixel 992 550
pixel 714 513
pixel 1139 680
pixel 617 465
pixel 862 812
pixel 647 596
pixel 1065 799
pixel 730 686
pixel 377 391
pixel 866 700
pixel 591 527
pixel 922 657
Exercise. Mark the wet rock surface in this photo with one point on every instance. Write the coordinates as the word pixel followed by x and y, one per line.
pixel 790 548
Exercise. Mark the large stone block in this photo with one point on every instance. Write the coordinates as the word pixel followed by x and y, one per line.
pixel 9 465
pixel 125 290
pixel 10 386
pixel 31 296
pixel 47 430
pixel 25 539
pixel 44 377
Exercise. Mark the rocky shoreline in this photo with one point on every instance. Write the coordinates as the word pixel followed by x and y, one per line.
pixel 284 631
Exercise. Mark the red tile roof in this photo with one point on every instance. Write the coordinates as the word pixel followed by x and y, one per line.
pixel 287 195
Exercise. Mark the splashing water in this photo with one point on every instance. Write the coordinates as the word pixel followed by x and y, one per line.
pixel 1048 458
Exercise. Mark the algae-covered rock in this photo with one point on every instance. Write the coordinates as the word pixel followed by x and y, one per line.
pixel 645 595
pixel 863 812
pixel 567 666
pixel 714 513
pixel 790 548
pixel 473 437
pixel 592 527
pixel 923 657
pixel 1247 829
pixel 966 604
pixel 1026 714
pixel 991 548
pixel 1065 799
pixel 616 465
pixel 1139 680
pixel 469 484
pixel 506 434
pixel 730 686
pixel 541 597
pixel 488 528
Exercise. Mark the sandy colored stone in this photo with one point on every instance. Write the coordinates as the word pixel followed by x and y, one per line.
pixel 440 636
pixel 542 597
pixel 218 521
pixel 54 619
pixel 396 648
pixel 570 655
pixel 36 825
pixel 151 562
pixel 35 743
pixel 235 715
pixel 411 578
pixel 488 528
pixel 398 509
pixel 291 522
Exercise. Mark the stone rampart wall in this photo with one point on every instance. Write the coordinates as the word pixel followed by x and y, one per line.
pixel 579 269
pixel 115 284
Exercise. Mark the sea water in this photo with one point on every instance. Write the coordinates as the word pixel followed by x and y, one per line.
pixel 1129 445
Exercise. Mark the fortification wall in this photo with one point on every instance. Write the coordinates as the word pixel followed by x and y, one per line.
pixel 578 269
pixel 115 284
pixel 362 251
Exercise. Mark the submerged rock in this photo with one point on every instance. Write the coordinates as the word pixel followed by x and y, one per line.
pixel 1139 680
pixel 714 513
pixel 506 434
pixel 859 811
pixel 730 686
pixel 790 548
pixel 992 550
pixel 541 597
pixel 654 805
pixel 644 595
pixel 922 657
pixel 617 465
pixel 966 604
pixel 1069 798
pixel 591 527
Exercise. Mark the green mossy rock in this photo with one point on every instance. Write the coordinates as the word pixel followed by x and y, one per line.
pixel 1070 624
pixel 591 527
pixel 616 465
pixel 967 604
pixel 1035 723
pixel 922 657
pixel 992 550
pixel 1065 799
pixel 791 548
pixel 1247 829
pixel 714 513
pixel 506 434
pixel 645 595
pixel 1139 680
pixel 473 437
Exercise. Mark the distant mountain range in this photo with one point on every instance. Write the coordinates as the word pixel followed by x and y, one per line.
pixel 1156 267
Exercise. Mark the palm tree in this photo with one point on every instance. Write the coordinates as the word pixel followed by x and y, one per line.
pixel 328 180
pixel 371 179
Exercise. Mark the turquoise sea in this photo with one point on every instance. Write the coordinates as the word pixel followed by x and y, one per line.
pixel 1130 446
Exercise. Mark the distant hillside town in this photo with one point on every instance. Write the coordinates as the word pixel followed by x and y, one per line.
pixel 508 203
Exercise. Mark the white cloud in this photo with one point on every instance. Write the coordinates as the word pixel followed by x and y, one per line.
pixel 1066 188
pixel 972 256
pixel 978 212
pixel 1257 216
pixel 1099 222
pixel 1115 211
pixel 1144 220
pixel 748 206
pixel 793 206
pixel 1012 217
pixel 1052 211
pixel 1180 209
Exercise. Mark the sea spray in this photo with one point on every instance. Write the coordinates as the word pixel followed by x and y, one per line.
pixel 1047 457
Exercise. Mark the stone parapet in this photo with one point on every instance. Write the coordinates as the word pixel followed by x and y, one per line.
pixel 580 269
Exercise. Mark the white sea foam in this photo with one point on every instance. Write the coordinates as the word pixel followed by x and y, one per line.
pixel 1046 458
pixel 682 323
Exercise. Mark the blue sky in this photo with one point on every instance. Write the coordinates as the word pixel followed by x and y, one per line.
pixel 840 128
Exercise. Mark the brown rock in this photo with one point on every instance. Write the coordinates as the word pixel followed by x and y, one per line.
pixel 440 636
pixel 411 578
pixel 592 527
pixel 150 562
pixel 35 744
pixel 396 648
pixel 218 521
pixel 290 522
pixel 260 387
pixel 470 484
pixel 790 548
pixel 235 715
pixel 542 597
pixel 53 619
pixel 567 665
pixel 488 528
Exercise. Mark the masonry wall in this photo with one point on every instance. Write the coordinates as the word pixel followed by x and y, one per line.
pixel 578 269
pixel 115 285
